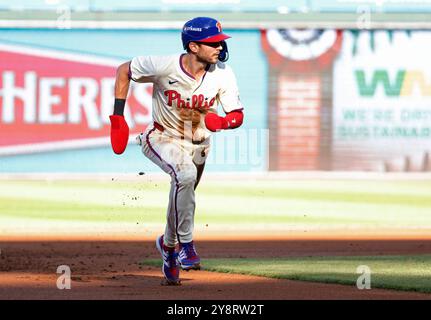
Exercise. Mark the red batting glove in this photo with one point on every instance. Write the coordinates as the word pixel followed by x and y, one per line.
pixel 119 133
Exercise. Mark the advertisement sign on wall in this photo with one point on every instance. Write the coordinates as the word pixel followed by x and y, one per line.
pixel 349 100
pixel 52 100
pixel 382 100
pixel 329 99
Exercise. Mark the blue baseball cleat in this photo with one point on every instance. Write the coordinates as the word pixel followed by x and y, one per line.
pixel 188 257
pixel 170 267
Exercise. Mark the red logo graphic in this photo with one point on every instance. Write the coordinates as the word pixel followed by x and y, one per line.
pixel 218 25
pixel 196 102
pixel 53 100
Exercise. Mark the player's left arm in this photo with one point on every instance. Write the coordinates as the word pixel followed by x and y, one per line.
pixel 229 99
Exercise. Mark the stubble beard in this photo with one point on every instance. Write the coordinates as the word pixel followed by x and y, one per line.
pixel 206 61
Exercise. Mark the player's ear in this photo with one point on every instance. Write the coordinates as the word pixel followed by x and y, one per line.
pixel 193 47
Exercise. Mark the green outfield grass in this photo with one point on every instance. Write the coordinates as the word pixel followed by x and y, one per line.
pixel 255 204
pixel 408 273
pixel 374 204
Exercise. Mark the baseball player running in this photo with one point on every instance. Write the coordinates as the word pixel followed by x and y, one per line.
pixel 187 89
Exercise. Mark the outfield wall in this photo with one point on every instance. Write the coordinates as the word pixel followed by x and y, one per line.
pixel 314 100
pixel 75 138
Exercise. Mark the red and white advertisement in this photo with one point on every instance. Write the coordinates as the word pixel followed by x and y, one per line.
pixel 52 100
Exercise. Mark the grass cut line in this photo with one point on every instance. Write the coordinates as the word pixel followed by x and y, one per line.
pixel 404 273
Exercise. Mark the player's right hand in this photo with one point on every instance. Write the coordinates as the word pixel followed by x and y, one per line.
pixel 119 133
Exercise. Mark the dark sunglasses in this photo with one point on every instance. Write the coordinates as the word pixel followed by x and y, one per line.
pixel 211 44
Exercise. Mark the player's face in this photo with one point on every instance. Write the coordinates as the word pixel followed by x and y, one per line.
pixel 208 52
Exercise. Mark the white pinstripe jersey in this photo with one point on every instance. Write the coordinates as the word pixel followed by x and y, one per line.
pixel 180 100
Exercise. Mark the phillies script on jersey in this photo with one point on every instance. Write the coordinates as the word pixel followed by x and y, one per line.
pixel 197 101
pixel 53 100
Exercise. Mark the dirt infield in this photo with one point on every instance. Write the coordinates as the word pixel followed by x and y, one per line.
pixel 110 270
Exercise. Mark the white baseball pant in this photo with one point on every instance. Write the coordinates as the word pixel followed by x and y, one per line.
pixel 180 158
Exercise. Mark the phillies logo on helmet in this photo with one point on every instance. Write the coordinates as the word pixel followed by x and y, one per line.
pixel 218 25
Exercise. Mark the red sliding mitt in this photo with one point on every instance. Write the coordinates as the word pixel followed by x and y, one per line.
pixel 119 133
pixel 214 122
